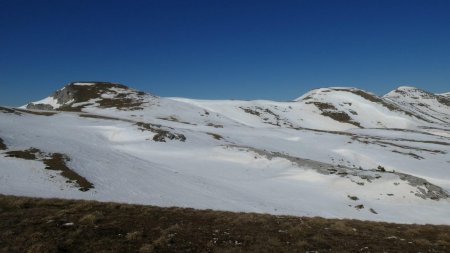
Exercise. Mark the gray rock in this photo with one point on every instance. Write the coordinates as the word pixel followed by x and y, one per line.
pixel 65 94
pixel 425 189
pixel 45 107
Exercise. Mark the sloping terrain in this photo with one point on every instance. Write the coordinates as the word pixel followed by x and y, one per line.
pixel 433 107
pixel 334 152
pixel 54 225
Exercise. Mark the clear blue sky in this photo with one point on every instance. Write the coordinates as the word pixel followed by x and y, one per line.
pixel 223 49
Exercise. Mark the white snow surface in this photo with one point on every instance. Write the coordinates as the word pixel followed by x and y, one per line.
pixel 231 172
pixel 83 83
pixel 48 100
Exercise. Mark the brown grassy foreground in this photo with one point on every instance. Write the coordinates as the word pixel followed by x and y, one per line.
pixel 51 225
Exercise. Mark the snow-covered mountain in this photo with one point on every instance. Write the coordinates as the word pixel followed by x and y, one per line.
pixel 333 152
pixel 430 107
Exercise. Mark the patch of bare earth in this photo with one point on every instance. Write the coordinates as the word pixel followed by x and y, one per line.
pixel 331 111
pixel 56 162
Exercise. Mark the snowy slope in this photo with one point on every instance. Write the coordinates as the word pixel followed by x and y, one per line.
pixel 432 107
pixel 359 108
pixel 305 157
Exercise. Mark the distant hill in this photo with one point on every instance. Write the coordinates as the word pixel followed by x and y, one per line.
pixel 337 152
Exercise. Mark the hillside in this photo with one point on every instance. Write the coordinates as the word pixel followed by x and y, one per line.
pixel 334 152
pixel 53 225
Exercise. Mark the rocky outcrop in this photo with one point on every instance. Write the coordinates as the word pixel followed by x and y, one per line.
pixel 101 94
pixel 424 189
pixel 45 107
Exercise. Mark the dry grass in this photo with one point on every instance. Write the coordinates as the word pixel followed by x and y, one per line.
pixel 57 162
pixel 331 111
pixel 29 154
pixel 44 225
pixel 121 103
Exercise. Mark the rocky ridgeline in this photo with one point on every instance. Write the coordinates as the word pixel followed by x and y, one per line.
pixel 414 94
pixel 77 95
pixel 341 104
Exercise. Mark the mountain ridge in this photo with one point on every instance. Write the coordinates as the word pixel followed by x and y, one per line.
pixel 334 103
pixel 337 152
pixel 119 85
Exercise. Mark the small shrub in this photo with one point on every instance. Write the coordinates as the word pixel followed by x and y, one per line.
pixel 381 168
pixel 359 207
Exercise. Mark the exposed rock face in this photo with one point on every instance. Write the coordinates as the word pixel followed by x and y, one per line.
pixel 46 107
pixel 64 95
pixel 161 134
pixel 2 145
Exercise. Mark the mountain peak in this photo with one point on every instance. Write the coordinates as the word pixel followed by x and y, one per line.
pixel 330 90
pixel 410 92
pixel 97 84
pixel 77 95
pixel 431 106
pixel 406 87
